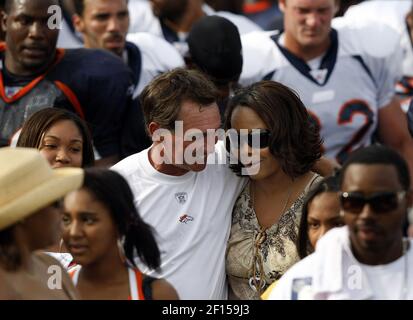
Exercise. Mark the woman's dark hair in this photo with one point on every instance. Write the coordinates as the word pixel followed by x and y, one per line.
pixel 36 125
pixel 329 184
pixel 294 139
pixel 10 256
pixel 112 190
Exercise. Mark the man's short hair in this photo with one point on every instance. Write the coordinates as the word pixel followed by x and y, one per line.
pixel 379 155
pixel 162 99
pixel 79 6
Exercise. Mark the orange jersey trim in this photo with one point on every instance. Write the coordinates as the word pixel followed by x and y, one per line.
pixel 71 273
pixel 251 8
pixel 139 281
pixel 59 55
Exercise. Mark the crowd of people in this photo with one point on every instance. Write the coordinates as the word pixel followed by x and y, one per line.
pixel 190 149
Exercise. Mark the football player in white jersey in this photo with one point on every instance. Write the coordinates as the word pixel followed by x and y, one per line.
pixel 398 14
pixel 104 25
pixel 343 76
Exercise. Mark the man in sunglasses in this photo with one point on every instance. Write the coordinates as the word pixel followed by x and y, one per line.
pixel 368 258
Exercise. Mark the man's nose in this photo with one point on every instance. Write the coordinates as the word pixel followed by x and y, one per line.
pixel 313 20
pixel 113 24
pixel 37 29
pixel 367 212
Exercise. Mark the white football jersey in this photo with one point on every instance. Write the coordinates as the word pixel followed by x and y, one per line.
pixel 392 13
pixel 158 56
pixel 344 94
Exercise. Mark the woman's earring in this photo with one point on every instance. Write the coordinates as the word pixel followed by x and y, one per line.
pixel 61 243
pixel 121 250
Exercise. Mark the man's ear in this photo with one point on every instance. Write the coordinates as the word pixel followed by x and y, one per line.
pixel 281 5
pixel 3 17
pixel 153 126
pixel 336 7
pixel 78 23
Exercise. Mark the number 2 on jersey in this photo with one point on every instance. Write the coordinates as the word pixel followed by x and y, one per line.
pixel 345 116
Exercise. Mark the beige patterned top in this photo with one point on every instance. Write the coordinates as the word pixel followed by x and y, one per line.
pixel 278 250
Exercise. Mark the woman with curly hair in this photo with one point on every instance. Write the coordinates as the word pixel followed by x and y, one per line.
pixel 270 120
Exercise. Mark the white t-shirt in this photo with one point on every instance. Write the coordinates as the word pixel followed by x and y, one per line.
pixel 379 278
pixel 191 215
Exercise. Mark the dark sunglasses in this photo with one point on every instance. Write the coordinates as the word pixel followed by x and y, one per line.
pixel 235 139
pixel 380 202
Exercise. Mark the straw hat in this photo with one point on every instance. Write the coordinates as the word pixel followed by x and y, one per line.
pixel 28 184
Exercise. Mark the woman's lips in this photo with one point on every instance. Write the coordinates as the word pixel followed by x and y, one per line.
pixel 77 249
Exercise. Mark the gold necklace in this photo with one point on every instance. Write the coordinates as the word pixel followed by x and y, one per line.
pixel 256 282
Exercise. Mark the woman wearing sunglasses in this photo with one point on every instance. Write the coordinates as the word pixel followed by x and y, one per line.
pixel 272 122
